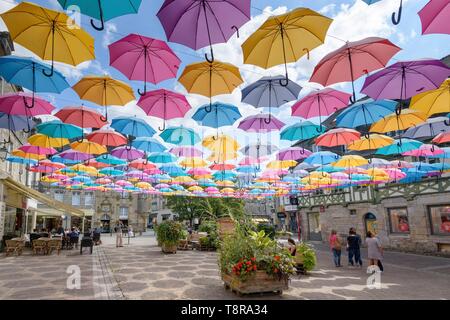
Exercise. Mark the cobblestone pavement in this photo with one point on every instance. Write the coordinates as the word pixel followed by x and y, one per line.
pixel 140 271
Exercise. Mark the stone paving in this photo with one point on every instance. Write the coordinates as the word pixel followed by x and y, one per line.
pixel 140 271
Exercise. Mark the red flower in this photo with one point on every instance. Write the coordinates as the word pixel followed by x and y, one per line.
pixel 253 259
pixel 277 258
pixel 249 263
pixel 275 270
pixel 254 267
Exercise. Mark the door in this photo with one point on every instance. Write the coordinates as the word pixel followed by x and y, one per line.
pixel 370 222
pixel 314 229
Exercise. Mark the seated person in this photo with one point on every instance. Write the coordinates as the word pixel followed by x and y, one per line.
pixel 292 247
pixel 96 236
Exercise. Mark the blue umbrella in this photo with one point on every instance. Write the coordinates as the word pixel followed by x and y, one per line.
pixel 132 126
pixel 180 136
pixel 365 112
pixel 445 155
pixel 57 158
pixel 217 115
pixel 441 166
pixel 21 160
pixel 270 92
pixel 302 131
pixel 109 159
pixel 59 129
pixel 110 171
pixel 81 179
pixel 322 157
pixel 329 168
pixel 399 146
pixel 161 157
pixel 148 144
pixel 247 169
pixel 224 175
pixel 173 170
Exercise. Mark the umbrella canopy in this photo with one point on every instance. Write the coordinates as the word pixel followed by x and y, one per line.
pixel 293 153
pixel 399 146
pixel 337 137
pixel 19 104
pixel 220 143
pixel 210 79
pixel 443 137
pixel 58 129
pixel 20 160
pixel 197 24
pixel 180 136
pixel 164 104
pixel 110 160
pixel 142 164
pixel 132 126
pixel 161 157
pixel 193 163
pixel 89 147
pixel 14 122
pixel 104 91
pixel 148 144
pixel 260 123
pixel 143 58
pixel 434 101
pixel 258 150
pixel 41 140
pixel 108 138
pixel 217 115
pixel 370 142
pixel 353 60
pixel 405 79
pixel 435 16
pixel 81 116
pixel 428 129
pixel 365 112
pixel 48 34
pixel 285 38
pixel 394 122
pixel 321 157
pixel 37 150
pixel 186 151
pixel 348 161
pixel 425 150
pixel 103 10
pixel 301 131
pixel 75 155
pixel 127 153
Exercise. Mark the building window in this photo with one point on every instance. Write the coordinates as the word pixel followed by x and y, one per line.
pixel 439 219
pixel 59 196
pixel 353 212
pixel 76 201
pixel 88 199
pixel 398 218
pixel 123 213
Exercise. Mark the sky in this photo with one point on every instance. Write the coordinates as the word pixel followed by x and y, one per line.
pixel 353 20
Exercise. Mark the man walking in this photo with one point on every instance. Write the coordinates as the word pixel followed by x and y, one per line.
pixel 354 248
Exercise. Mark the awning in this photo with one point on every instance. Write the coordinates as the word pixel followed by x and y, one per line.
pixel 33 194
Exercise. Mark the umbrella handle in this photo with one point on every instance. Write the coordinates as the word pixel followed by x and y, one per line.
pixel 128 147
pixel 237 30
pixel 398 111
pixel 367 135
pixel 270 118
pixel 319 129
pixel 369 161
pixel 210 60
pixel 102 26
pixel 104 119
pixel 80 140
pixel 126 168
pixel 447 122
pixel 163 128
pixel 142 93
pixel 432 148
pixel 396 19
pixel 146 161
pixel 307 53
pixel 208 109
pixel 52 71
pixel 284 82
pixel 105 156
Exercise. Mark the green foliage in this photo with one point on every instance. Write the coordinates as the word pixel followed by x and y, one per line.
pixel 169 232
pixel 309 256
pixel 212 240
pixel 268 229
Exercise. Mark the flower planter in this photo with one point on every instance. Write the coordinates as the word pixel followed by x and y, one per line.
pixel 169 248
pixel 259 282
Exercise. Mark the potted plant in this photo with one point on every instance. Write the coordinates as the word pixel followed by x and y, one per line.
pixel 305 257
pixel 168 234
pixel 211 241
pixel 251 262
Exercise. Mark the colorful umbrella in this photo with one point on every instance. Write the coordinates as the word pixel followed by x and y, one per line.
pixel 44 141
pixel 301 131
pixel 197 24
pixel 371 142
pixel 88 147
pixel 164 104
pixel 425 150
pixel 399 146
pixel 58 129
pixel 399 121
pixel 364 113
pixel 259 123
pixel 81 116
pixel 286 38
pixel 21 104
pixel 109 138
pixel 220 143
pixel 50 34
pixel 337 137
pixel 180 136
pixel 186 151
pixel 193 163
pixel 443 137
pixel 161 157
pixel 217 115
pixel 75 155
pixel 111 160
pixel 435 16
pixel 349 161
pixel 434 101
pixel 293 153
pixel 428 129
pixel 268 92
pixel 37 150
pixel 148 144
pixel 14 123
pixel 132 126
pixel 145 59
pixel 104 91
pixel 127 153
pixel 321 157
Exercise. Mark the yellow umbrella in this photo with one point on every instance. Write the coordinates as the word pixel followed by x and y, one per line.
pixel 203 176
pixel 89 147
pixel 222 142
pixel 378 174
pixel 48 180
pixel 227 190
pixel 281 164
pixel 144 185
pixel 371 142
pixel 194 162
pixel 87 169
pixel 221 157
pixel 210 79
pixel 50 34
pixel 318 175
pixel 225 183
pixel 23 154
pixel 286 38
pixel 104 91
pixel 195 189
pixel 434 101
pixel 41 140
pixel 350 161
pixel 393 122
pixel 183 179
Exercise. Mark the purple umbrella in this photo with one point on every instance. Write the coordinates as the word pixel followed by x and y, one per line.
pixel 186 151
pixel 293 153
pixel 75 155
pixel 405 79
pixel 199 23
pixel 128 153
pixel 258 123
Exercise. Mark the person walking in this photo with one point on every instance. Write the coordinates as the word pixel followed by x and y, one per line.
pixel 119 235
pixel 374 249
pixel 336 247
pixel 354 248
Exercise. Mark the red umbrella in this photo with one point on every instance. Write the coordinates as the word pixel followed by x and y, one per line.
pixel 442 137
pixel 222 166
pixel 142 164
pixel 337 137
pixel 94 163
pixel 49 163
pixel 81 116
pixel 353 60
pixel 435 17
pixel 108 138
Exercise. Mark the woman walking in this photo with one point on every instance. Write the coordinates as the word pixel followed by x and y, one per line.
pixel 119 236
pixel 335 245
pixel 374 249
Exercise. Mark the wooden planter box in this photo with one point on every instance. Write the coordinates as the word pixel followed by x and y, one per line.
pixel 169 249
pixel 260 282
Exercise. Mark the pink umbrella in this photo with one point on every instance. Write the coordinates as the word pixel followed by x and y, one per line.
pixel 212 190
pixel 143 58
pixel 261 123
pixel 52 164
pixel 293 153
pixel 57 176
pixel 435 17
pixel 320 103
pixel 199 171
pixel 337 137
pixel 425 150
pixel 37 150
pixel 248 161
pixel 128 153
pixel 43 169
pixel 353 170
pixel 395 174
pixel 164 104
pixel 186 151
pixel 103 181
pixel 75 155
pixel 401 164
pixel 353 60
pixel 16 104
pixel 123 183
pixel 153 171
pixel 339 176
pixel 162 186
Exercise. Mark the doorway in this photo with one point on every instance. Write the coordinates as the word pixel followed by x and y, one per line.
pixel 314 228
pixel 370 223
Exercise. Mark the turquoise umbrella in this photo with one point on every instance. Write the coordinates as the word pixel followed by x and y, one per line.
pixel 102 10
pixel 161 157
pixel 302 131
pixel 109 159
pixel 59 129
pixel 399 146
pixel 365 112
pixel 21 160
pixel 110 171
pixel 148 144
pixel 180 136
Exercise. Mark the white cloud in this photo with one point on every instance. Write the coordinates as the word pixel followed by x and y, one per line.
pixel 109 34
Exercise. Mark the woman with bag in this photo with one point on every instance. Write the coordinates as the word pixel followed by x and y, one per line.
pixel 336 248
pixel 374 250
